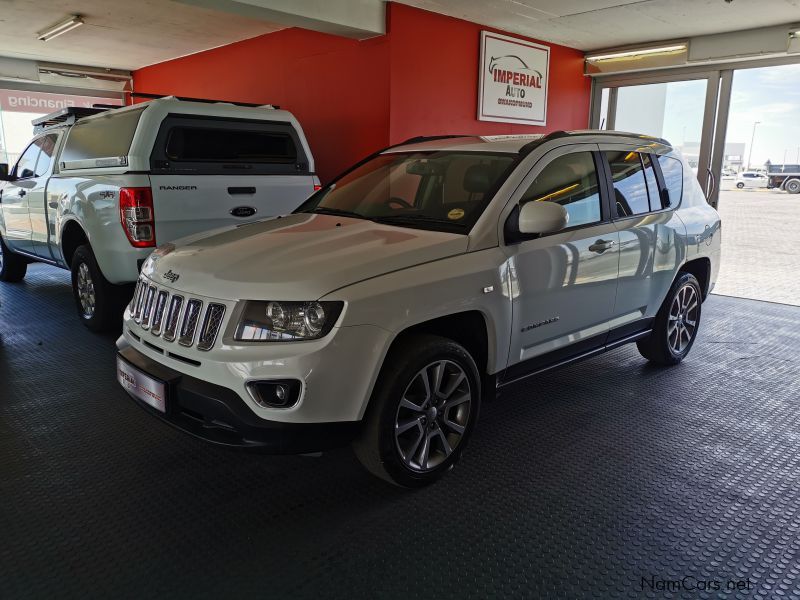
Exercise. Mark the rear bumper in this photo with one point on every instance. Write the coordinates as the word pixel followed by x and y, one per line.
pixel 217 414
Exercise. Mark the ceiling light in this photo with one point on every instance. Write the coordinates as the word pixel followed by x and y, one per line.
pixel 640 52
pixel 56 30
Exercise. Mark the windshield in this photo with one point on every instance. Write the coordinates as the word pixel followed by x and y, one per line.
pixel 444 191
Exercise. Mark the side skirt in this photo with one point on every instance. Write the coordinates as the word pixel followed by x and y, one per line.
pixel 576 352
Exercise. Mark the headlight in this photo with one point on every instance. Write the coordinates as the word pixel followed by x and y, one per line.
pixel 286 321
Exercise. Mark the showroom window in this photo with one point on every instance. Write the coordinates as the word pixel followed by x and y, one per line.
pixel 630 187
pixel 571 181
pixel 226 145
pixel 672 170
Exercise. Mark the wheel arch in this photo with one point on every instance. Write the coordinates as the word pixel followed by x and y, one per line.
pixel 701 268
pixel 72 236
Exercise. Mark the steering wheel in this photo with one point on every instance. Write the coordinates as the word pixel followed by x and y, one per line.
pixel 400 201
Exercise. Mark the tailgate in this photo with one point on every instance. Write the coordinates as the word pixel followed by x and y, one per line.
pixel 184 205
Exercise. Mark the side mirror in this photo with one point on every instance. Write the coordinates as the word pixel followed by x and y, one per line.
pixel 3 171
pixel 542 217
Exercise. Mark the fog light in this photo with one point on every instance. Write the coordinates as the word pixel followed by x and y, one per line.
pixel 282 393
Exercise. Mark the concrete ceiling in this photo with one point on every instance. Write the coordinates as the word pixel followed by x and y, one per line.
pixel 119 34
pixel 594 24
pixel 128 34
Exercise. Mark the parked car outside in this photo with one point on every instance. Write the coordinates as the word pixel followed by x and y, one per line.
pixel 393 301
pixel 96 189
pixel 751 179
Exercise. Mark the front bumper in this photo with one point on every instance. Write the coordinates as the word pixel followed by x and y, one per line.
pixel 219 415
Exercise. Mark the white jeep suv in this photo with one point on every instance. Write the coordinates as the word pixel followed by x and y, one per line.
pixel 384 309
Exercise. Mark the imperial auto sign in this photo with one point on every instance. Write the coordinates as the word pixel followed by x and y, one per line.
pixel 513 80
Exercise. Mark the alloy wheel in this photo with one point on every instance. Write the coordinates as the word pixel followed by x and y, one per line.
pixel 683 317
pixel 86 291
pixel 433 415
pixel 1 255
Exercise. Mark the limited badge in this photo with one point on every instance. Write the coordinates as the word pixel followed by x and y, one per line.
pixel 456 214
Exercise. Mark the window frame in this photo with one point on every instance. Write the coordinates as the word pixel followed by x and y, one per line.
pixel 659 180
pixel 510 237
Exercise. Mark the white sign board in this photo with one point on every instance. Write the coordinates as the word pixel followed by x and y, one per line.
pixel 513 80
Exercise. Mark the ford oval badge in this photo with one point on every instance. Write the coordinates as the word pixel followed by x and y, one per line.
pixel 243 211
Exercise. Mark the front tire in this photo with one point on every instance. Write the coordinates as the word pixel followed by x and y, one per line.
pixel 676 324
pixel 12 266
pixel 740 185
pixel 99 303
pixel 422 412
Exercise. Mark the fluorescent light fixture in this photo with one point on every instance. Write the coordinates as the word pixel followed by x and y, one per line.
pixel 56 30
pixel 640 52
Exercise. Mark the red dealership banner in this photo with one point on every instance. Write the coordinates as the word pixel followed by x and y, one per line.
pixel 43 102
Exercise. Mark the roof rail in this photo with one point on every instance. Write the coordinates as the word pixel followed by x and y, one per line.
pixel 206 100
pixel 553 135
pixel 65 116
pixel 429 138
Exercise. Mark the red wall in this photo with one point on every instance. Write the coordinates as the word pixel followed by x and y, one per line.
pixel 353 98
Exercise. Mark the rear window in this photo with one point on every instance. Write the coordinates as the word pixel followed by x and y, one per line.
pixel 207 145
pixel 102 141
pixel 225 145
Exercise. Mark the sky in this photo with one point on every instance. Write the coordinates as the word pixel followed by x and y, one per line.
pixel 770 95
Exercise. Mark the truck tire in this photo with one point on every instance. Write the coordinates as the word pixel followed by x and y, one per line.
pixel 12 266
pixel 422 412
pixel 792 186
pixel 99 303
pixel 676 324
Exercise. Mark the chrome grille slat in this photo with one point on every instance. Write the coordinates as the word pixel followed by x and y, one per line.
pixel 138 314
pixel 136 290
pixel 190 318
pixel 171 323
pixel 158 312
pixel 148 306
pixel 211 326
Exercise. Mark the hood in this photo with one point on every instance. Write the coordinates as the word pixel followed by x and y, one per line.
pixel 296 257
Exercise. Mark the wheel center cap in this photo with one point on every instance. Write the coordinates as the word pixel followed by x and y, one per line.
pixel 432 412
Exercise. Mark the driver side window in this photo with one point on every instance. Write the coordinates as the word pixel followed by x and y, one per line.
pixel 571 181
pixel 26 165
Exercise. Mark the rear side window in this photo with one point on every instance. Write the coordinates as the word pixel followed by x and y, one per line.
pixel 48 145
pixel 102 141
pixel 228 145
pixel 630 187
pixel 208 145
pixel 672 170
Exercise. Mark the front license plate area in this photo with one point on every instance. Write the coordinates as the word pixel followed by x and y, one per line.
pixel 142 386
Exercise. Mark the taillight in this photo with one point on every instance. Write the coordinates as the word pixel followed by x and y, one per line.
pixel 136 216
pixel 317 187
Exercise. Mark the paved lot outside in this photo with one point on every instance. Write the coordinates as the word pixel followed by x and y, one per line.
pixel 760 245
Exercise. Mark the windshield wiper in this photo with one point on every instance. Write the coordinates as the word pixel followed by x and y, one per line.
pixel 337 212
pixel 415 219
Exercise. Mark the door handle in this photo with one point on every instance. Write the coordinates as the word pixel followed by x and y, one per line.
pixel 601 246
pixel 241 190
pixel 52 204
pixel 22 193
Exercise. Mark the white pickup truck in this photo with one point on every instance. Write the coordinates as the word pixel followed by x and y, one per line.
pixel 97 189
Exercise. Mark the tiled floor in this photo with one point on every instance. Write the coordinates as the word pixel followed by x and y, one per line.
pixel 760 245
pixel 606 479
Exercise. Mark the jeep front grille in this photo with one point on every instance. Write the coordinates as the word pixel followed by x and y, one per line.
pixel 173 317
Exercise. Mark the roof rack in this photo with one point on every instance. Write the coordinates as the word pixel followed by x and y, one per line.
pixel 65 116
pixel 429 138
pixel 206 100
pixel 530 146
